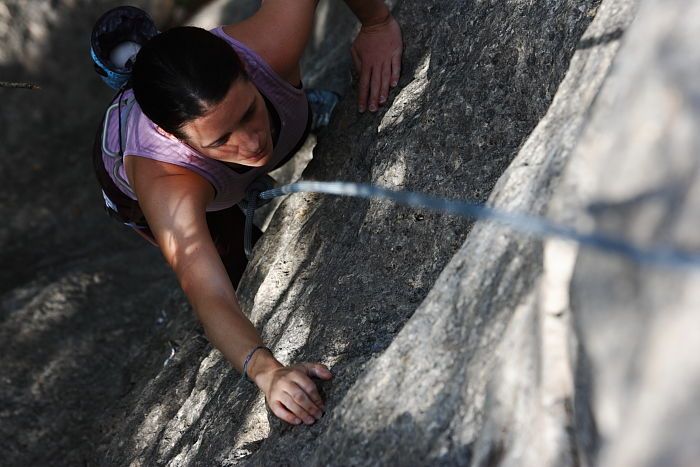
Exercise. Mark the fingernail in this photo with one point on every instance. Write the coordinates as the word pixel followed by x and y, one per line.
pixel 310 421
pixel 394 84
pixel 372 108
pixel 360 109
pixel 382 99
pixel 297 421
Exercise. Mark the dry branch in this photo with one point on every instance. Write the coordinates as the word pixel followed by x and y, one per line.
pixel 6 84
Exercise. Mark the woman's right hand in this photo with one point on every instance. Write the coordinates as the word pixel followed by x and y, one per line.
pixel 290 392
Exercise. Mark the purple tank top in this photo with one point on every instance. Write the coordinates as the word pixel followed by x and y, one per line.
pixel 142 138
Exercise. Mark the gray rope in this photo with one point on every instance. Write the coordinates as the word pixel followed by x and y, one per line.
pixel 525 223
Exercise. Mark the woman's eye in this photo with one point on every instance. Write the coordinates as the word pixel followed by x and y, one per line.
pixel 249 114
pixel 221 142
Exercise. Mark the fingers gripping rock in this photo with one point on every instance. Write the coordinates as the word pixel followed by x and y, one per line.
pixel 280 427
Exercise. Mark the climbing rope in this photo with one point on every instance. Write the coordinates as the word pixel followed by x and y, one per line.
pixel 524 223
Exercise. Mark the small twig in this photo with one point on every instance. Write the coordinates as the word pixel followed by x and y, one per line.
pixel 6 84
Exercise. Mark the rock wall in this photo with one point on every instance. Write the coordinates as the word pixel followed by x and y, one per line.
pixel 637 171
pixel 452 343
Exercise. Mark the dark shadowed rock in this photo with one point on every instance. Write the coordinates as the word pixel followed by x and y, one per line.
pixel 80 296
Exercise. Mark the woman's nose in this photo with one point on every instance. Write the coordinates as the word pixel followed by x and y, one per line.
pixel 249 141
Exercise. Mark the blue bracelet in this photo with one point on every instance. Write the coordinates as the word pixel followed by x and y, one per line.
pixel 247 360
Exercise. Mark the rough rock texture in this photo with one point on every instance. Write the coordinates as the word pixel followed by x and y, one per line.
pixel 485 377
pixel 509 379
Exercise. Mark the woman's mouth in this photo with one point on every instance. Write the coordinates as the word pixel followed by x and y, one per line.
pixel 256 156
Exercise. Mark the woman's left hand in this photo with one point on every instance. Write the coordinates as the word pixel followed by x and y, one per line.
pixel 376 52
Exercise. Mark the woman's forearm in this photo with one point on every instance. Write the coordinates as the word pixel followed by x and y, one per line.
pixel 369 12
pixel 232 333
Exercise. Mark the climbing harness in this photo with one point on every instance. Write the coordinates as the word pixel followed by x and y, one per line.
pixel 524 223
pixel 118 156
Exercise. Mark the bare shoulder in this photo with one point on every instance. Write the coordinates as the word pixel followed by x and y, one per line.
pixel 149 177
pixel 143 165
pixel 174 201
pixel 278 32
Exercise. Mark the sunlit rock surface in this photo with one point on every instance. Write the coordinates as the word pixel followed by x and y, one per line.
pixel 451 343
pixel 637 168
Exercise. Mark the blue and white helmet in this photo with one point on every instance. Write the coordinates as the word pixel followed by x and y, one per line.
pixel 116 39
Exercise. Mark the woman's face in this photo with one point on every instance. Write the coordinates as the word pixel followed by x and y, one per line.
pixel 235 130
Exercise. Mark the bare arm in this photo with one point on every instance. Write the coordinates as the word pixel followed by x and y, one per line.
pixel 280 30
pixel 174 202
pixel 369 12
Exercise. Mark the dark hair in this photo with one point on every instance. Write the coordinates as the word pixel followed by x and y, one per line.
pixel 179 74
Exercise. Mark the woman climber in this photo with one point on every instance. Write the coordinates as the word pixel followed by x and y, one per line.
pixel 203 115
